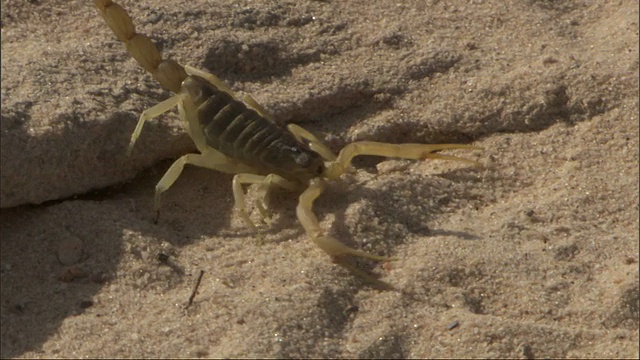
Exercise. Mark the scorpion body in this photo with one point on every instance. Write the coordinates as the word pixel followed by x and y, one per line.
pixel 242 133
pixel 239 137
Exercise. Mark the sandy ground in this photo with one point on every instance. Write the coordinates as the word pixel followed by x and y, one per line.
pixel 535 255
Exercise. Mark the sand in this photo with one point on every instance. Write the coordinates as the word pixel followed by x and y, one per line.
pixel 533 255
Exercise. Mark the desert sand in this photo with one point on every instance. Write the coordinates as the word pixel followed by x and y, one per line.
pixel 532 255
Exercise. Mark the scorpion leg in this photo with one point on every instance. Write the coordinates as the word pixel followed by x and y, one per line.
pixel 327 243
pixel 210 77
pixel 252 103
pixel 151 113
pixel 265 183
pixel 402 151
pixel 212 159
pixel 315 144
pixel 266 186
pixel 238 195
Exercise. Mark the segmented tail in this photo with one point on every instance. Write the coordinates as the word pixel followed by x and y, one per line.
pixel 168 73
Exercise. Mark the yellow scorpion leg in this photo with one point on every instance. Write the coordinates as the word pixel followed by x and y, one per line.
pixel 252 103
pixel 151 113
pixel 265 183
pixel 209 77
pixel 265 187
pixel 315 144
pixel 211 159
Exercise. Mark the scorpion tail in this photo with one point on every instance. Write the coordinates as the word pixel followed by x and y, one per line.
pixel 168 73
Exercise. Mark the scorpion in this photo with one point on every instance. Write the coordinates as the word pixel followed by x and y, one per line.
pixel 240 137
